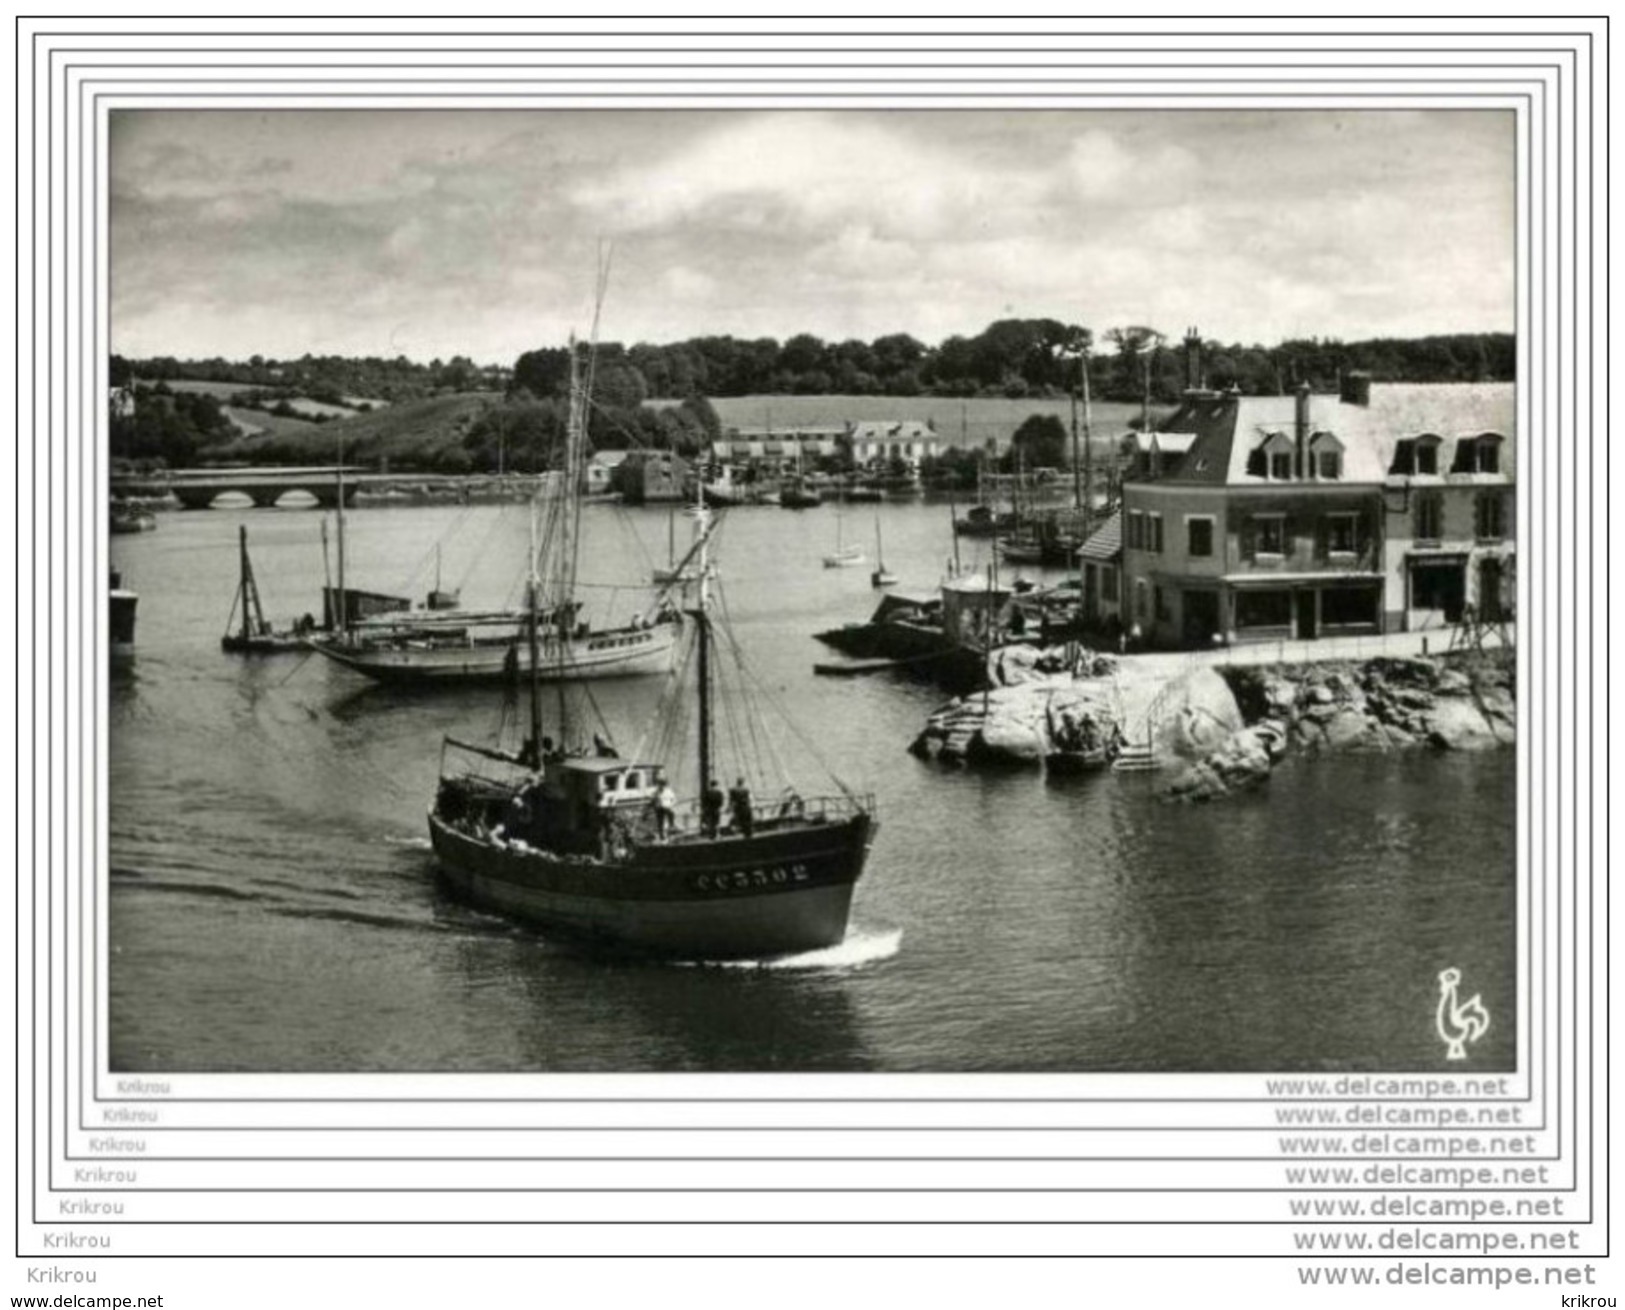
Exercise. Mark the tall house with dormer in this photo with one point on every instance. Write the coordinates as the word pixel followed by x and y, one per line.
pixel 1249 518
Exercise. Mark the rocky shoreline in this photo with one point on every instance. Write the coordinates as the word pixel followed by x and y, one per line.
pixel 1220 730
pixel 1442 702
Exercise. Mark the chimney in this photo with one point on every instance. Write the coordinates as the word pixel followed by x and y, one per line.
pixel 1301 428
pixel 1356 389
pixel 1193 360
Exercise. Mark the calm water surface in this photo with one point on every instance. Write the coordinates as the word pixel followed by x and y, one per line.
pixel 272 902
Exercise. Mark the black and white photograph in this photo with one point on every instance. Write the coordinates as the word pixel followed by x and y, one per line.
pixel 813 590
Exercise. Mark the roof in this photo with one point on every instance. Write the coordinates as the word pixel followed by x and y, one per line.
pixel 1107 541
pixel 609 458
pixel 1225 428
pixel 911 429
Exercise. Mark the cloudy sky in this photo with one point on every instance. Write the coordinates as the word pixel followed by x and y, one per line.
pixel 443 233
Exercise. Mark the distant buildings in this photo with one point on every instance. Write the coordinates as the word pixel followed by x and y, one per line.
pixel 871 446
pixel 1385 508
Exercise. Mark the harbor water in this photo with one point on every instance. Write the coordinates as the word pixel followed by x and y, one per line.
pixel 272 903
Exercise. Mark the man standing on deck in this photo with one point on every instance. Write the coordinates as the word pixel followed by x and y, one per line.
pixel 740 806
pixel 711 808
pixel 665 810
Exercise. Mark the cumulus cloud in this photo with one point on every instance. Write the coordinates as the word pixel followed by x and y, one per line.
pixel 479 227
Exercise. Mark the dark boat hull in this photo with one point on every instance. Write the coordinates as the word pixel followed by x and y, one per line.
pixel 779 892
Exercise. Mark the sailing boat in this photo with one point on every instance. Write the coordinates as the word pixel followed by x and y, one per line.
pixel 254 635
pixel 882 576
pixel 455 645
pixel 597 845
pixel 843 556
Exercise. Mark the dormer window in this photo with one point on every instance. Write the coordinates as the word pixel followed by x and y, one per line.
pixel 1326 456
pixel 1278 451
pixel 1417 456
pixel 1480 454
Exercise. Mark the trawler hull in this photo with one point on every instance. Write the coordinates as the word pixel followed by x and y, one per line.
pixel 775 893
pixel 622 653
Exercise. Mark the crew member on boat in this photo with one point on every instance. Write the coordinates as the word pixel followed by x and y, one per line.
pixel 711 808
pixel 665 811
pixel 739 804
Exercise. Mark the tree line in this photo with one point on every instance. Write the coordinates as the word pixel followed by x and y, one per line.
pixel 1011 358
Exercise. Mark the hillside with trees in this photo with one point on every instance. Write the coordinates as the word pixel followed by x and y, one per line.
pixel 462 417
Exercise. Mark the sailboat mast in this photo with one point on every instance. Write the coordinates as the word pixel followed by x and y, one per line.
pixel 342 620
pixel 242 573
pixel 535 641
pixel 702 620
pixel 1088 459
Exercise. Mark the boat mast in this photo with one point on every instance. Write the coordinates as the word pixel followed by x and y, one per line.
pixel 1088 457
pixel 249 592
pixel 702 623
pixel 535 641
pixel 342 621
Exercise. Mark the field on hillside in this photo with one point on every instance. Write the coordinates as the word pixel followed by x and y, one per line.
pixel 411 434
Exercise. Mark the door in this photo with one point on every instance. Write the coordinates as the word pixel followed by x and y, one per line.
pixel 1307 602
pixel 1491 598
pixel 1201 617
pixel 1091 592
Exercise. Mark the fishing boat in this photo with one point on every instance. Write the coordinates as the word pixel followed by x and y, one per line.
pixel 1022 550
pixel 595 845
pixel 121 603
pixel 843 556
pixel 253 634
pixel 797 493
pixel 439 646
pixel 882 576
pixel 128 518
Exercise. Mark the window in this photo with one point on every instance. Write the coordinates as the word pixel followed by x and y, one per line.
pixel 1140 607
pixel 1429 518
pixel 1329 464
pixel 1256 464
pixel 1427 458
pixel 1136 529
pixel 1281 467
pixel 1200 533
pixel 1269 534
pixel 1489 516
pixel 1263 609
pixel 1342 533
pixel 1489 455
pixel 1154 522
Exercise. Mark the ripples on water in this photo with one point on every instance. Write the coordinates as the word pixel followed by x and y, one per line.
pixel 272 901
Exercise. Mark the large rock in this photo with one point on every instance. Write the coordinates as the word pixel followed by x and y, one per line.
pixel 1240 762
pixel 1193 714
pixel 1456 723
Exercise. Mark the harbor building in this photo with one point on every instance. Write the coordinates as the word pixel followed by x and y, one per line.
pixel 1261 518
pixel 797 447
pixel 875 445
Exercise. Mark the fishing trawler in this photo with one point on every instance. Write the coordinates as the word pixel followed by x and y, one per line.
pixel 586 842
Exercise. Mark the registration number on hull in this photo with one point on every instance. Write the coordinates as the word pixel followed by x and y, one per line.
pixel 742 880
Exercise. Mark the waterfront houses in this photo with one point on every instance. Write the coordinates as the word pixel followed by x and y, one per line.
pixel 1387 507
pixel 865 446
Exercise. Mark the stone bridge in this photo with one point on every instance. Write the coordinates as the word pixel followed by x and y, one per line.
pixel 198 488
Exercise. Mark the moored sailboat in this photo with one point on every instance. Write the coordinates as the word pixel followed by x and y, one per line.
pixel 449 645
